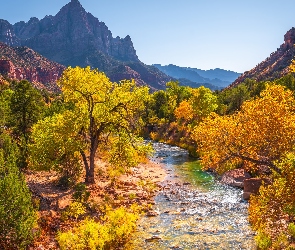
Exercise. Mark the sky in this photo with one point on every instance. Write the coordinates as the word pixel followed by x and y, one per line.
pixel 206 34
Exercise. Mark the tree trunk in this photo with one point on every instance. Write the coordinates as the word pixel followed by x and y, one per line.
pixel 90 173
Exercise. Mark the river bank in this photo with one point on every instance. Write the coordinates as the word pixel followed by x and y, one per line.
pixel 139 186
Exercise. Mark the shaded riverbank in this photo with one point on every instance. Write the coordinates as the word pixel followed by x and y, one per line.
pixel 193 210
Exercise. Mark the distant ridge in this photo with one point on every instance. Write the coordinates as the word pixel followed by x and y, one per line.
pixel 276 65
pixel 74 37
pixel 213 79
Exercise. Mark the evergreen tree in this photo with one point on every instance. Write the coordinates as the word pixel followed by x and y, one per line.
pixel 17 215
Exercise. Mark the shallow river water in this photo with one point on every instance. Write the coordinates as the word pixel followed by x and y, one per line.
pixel 194 210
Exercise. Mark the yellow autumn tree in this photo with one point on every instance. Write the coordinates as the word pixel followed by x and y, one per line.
pixel 259 134
pixel 104 113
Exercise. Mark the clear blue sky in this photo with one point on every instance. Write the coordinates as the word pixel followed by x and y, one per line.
pixel 229 34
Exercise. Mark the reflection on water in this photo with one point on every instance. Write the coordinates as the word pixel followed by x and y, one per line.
pixel 195 211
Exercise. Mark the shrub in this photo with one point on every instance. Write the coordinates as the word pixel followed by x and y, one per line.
pixel 81 194
pixel 17 215
pixel 112 232
pixel 74 210
pixel 263 241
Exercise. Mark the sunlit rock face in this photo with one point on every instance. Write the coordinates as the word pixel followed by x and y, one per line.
pixel 276 65
pixel 22 63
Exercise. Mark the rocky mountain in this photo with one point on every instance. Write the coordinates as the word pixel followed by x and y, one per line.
pixel 24 63
pixel 214 78
pixel 74 37
pixel 276 65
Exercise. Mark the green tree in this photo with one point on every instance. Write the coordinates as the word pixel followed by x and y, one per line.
pixel 180 93
pixel 17 215
pixel 102 111
pixel 26 106
pixel 5 95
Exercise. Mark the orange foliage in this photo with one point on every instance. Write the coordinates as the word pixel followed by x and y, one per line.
pixel 184 111
pixel 260 133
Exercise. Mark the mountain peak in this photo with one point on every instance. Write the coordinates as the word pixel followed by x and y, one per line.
pixel 75 2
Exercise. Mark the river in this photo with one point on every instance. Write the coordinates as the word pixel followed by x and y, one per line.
pixel 194 211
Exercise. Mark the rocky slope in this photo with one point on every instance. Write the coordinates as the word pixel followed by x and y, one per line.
pixel 24 63
pixel 276 65
pixel 214 78
pixel 74 37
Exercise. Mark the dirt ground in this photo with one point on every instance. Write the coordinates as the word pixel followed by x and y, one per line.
pixel 138 186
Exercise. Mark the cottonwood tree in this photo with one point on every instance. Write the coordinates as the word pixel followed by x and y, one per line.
pixel 103 113
pixel 259 134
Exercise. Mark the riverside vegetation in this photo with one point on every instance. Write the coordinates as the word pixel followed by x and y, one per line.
pixel 249 126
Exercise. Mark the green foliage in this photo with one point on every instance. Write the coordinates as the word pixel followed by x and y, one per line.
pixel 26 106
pixel 163 103
pixel 112 232
pixel 180 92
pixel 291 229
pixel 17 215
pixel 57 144
pixel 81 194
pixel 232 99
pixel 5 96
pixel 263 241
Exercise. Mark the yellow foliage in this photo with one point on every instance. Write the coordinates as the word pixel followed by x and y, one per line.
pixel 259 134
pixel 273 210
pixel 292 66
pixel 112 232
pixel 75 210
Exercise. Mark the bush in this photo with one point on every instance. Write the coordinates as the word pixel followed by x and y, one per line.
pixel 112 232
pixel 17 215
pixel 75 210
pixel 263 241
pixel 291 229
pixel 81 194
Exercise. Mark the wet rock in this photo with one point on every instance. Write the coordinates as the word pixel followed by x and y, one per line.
pixel 251 186
pixel 154 237
pixel 235 177
pixel 152 213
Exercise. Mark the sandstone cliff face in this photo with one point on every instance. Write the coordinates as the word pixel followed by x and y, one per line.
pixel 74 37
pixel 22 63
pixel 276 65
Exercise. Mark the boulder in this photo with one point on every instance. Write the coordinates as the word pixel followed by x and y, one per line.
pixel 251 186
pixel 235 177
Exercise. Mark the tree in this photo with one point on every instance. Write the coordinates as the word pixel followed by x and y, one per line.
pixel 180 93
pixel 57 145
pixel 259 134
pixel 272 211
pixel 5 95
pixel 17 215
pixel 200 104
pixel 26 105
pixel 102 110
